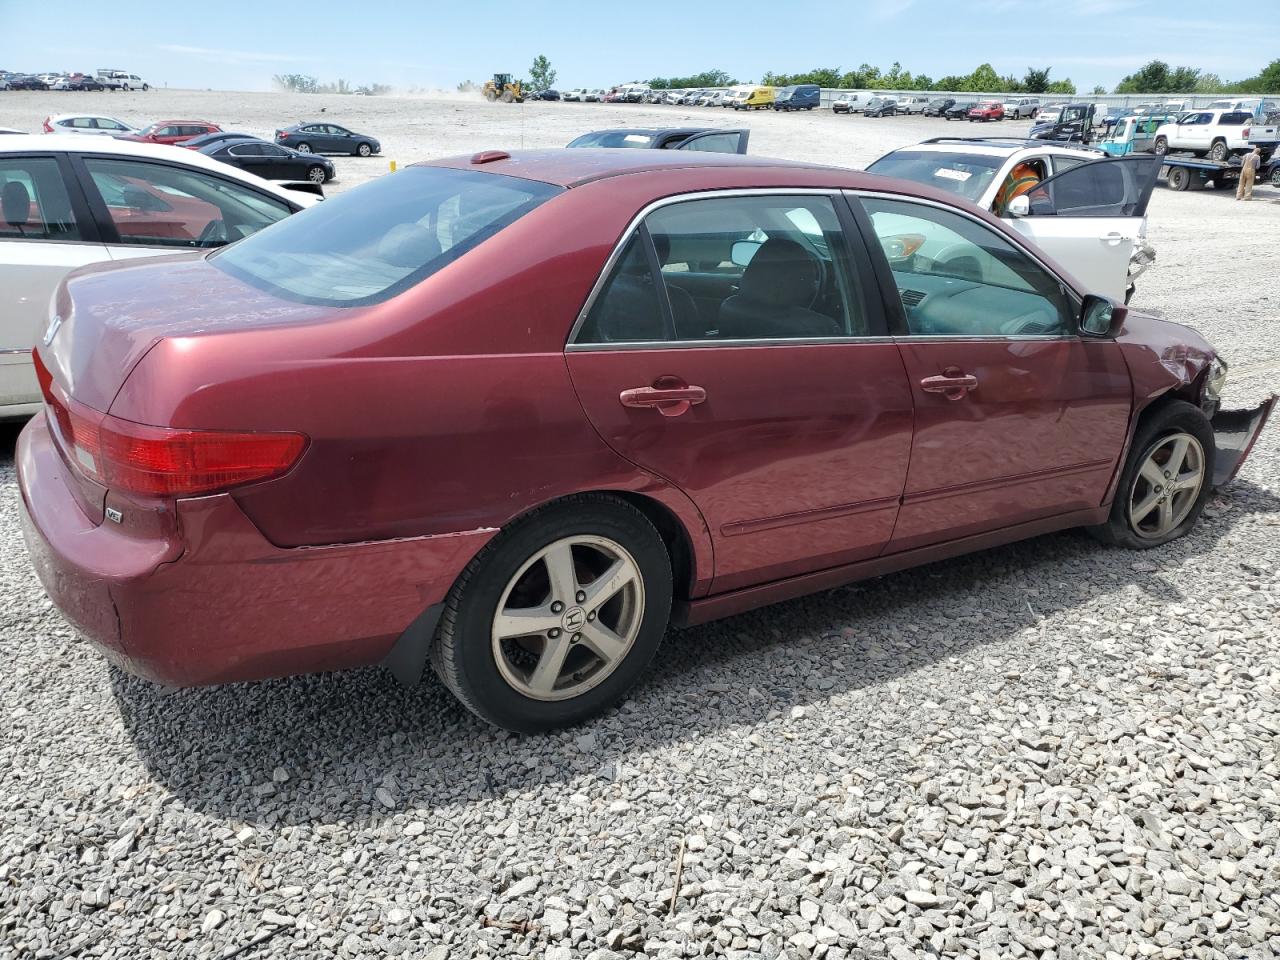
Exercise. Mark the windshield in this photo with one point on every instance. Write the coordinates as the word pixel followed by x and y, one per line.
pixel 379 239
pixel 148 129
pixel 964 174
pixel 614 138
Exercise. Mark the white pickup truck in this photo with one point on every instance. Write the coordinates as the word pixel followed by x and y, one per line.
pixel 1216 134
pixel 120 80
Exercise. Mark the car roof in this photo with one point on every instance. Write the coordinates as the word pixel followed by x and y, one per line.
pixel 74 143
pixel 73 116
pixel 991 147
pixel 569 168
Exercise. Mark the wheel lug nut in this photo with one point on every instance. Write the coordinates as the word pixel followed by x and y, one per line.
pixel 575 638
pixel 553 632
pixel 582 596
pixel 591 616
pixel 557 607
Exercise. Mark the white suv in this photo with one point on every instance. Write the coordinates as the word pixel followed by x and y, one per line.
pixel 66 202
pixel 1096 227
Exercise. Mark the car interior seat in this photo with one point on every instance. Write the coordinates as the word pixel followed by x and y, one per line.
pixel 775 297
pixel 684 311
pixel 15 203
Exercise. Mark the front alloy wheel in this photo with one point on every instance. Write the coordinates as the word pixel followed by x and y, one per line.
pixel 1166 486
pixel 316 174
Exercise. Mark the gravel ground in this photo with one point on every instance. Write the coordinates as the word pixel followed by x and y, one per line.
pixel 1051 750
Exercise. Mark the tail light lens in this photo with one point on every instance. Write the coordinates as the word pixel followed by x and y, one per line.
pixel 164 461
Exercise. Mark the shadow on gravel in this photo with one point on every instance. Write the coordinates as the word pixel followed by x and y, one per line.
pixel 339 737
pixel 8 441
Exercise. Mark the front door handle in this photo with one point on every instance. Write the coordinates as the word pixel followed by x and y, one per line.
pixel 953 385
pixel 670 396
pixel 1111 238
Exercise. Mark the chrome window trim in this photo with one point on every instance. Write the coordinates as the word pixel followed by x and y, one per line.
pixel 1016 243
pixel 571 342
pixel 695 344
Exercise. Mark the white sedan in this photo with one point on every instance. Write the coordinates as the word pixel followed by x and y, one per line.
pixel 90 123
pixel 66 202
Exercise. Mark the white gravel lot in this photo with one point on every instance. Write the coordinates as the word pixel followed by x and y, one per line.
pixel 1051 750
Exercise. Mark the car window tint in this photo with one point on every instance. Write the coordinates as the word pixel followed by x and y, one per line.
pixel 372 243
pixel 33 201
pixel 957 277
pixel 157 204
pixel 714 143
pixel 965 174
pixel 756 268
pixel 82 123
pixel 629 306
pixel 246 150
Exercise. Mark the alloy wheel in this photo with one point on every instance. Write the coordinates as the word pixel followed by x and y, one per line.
pixel 304 148
pixel 316 174
pixel 1166 486
pixel 364 150
pixel 568 617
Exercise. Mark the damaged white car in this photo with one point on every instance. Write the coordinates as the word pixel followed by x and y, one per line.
pixel 1086 210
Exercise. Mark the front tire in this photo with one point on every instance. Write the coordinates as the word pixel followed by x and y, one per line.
pixel 557 617
pixel 364 150
pixel 1161 146
pixel 1166 480
pixel 316 174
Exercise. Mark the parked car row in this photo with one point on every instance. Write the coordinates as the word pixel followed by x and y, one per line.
pixel 103 80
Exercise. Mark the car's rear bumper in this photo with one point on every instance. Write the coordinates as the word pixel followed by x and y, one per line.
pixel 217 602
pixel 1235 432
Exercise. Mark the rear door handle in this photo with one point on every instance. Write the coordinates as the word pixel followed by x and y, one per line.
pixel 953 387
pixel 670 396
pixel 1112 238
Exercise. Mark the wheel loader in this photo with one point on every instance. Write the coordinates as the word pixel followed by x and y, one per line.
pixel 503 88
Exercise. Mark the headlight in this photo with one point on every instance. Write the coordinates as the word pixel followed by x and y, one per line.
pixel 1215 379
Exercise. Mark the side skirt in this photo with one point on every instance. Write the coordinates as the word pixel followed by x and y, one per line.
pixel 690 613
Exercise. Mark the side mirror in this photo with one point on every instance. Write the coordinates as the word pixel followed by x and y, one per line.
pixel 1101 317
pixel 1019 206
pixel 742 251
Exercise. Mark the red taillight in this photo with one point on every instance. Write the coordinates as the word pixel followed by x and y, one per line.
pixel 163 461
pixel 282 136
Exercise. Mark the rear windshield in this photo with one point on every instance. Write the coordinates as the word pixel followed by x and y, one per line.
pixel 964 174
pixel 378 240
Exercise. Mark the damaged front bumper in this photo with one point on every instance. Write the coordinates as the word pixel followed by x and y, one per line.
pixel 1235 432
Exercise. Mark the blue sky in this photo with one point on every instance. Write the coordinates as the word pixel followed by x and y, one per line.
pixel 236 45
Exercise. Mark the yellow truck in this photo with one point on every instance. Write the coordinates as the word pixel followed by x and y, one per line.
pixel 757 98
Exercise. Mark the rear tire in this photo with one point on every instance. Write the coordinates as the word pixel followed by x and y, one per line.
pixel 1166 481
pixel 554 676
pixel 303 148
pixel 1179 179
pixel 1218 151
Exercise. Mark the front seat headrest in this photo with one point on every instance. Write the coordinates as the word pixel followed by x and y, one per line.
pixel 16 203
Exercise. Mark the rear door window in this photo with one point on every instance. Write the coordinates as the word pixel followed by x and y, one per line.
pixel 34 204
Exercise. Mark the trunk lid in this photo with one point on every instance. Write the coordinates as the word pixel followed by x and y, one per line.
pixel 107 319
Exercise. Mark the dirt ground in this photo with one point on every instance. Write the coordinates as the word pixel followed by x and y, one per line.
pixel 1212 266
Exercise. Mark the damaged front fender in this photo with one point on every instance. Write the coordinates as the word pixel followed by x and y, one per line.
pixel 1234 434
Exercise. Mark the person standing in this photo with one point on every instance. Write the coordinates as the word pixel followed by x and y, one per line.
pixel 1248 171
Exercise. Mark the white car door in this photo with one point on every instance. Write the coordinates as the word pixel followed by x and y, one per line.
pixel 1090 218
pixel 43 236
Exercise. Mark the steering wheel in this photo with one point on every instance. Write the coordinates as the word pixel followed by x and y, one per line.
pixel 214 234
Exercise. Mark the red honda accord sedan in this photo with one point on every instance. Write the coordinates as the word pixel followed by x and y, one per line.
pixel 515 414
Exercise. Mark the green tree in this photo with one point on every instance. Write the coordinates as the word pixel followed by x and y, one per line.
pixel 984 80
pixel 1099 90
pixel 707 78
pixel 1062 86
pixel 541 75
pixel 296 82
pixel 1036 80
pixel 1268 81
pixel 1156 77
pixel 951 83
